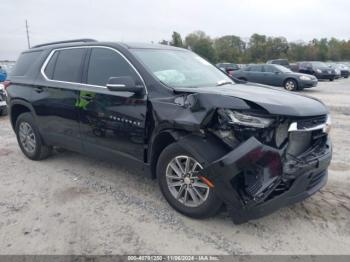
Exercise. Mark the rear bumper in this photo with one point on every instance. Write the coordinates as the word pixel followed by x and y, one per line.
pixel 304 179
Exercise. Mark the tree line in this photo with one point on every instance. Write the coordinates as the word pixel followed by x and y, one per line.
pixel 260 48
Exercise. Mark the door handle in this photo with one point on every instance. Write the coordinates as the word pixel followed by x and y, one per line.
pixel 89 98
pixel 38 89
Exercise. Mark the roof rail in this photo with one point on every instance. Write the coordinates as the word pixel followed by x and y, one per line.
pixel 83 40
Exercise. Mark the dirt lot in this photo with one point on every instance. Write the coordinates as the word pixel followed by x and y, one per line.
pixel 72 204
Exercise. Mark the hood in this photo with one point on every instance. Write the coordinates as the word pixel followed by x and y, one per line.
pixel 277 102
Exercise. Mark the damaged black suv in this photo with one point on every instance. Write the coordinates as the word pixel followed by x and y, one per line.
pixel 209 141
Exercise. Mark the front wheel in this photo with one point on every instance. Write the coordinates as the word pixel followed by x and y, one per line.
pixel 290 85
pixel 178 174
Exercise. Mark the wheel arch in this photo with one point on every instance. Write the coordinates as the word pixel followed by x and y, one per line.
pixel 17 108
pixel 291 78
pixel 204 149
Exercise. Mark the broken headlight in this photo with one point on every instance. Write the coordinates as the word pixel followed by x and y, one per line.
pixel 237 118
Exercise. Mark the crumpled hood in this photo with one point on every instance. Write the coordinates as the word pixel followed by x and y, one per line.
pixel 277 102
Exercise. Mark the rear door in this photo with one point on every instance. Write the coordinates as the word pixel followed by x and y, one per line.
pixel 112 122
pixel 272 76
pixel 55 97
pixel 255 74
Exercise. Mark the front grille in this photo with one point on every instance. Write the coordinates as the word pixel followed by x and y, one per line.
pixel 311 122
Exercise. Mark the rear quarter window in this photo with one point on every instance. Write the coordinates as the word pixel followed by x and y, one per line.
pixel 24 63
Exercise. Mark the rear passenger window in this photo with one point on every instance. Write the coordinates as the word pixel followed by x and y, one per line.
pixel 25 61
pixel 270 69
pixel 105 63
pixel 256 68
pixel 68 65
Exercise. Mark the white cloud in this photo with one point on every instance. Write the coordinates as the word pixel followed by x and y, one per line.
pixel 153 20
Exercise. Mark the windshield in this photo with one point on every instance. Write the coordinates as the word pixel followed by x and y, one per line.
pixel 177 68
pixel 319 64
pixel 283 69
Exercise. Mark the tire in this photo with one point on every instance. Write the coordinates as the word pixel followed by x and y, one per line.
pixel 29 139
pixel 331 79
pixel 208 206
pixel 291 85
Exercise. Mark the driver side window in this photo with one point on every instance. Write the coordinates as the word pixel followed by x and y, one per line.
pixel 105 63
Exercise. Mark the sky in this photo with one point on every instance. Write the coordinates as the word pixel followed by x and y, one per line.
pixel 155 20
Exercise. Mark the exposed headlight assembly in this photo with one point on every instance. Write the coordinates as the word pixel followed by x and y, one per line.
pixel 237 118
pixel 328 125
pixel 307 78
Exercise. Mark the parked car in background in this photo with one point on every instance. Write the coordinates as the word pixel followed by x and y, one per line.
pixel 167 111
pixel 228 68
pixel 318 69
pixel 3 74
pixel 344 70
pixel 282 62
pixel 276 75
pixel 336 68
pixel 3 105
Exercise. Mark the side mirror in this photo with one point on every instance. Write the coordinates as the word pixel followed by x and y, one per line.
pixel 123 84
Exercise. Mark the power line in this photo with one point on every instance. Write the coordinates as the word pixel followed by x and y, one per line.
pixel 28 42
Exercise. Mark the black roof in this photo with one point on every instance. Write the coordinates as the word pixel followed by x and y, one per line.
pixel 87 42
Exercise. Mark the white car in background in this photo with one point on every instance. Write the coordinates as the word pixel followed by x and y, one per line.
pixel 336 68
pixel 3 105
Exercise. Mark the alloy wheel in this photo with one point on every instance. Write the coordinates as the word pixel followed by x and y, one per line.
pixel 27 137
pixel 183 181
pixel 290 85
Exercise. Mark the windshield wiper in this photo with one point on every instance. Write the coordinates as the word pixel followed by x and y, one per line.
pixel 224 82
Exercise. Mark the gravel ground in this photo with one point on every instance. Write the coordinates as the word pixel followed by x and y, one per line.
pixel 72 204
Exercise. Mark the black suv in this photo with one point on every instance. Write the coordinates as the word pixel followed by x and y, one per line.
pixel 318 69
pixel 210 142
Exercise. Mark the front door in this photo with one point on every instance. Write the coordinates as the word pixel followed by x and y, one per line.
pixel 112 123
pixel 272 76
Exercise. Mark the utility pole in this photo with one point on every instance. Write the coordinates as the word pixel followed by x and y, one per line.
pixel 27 34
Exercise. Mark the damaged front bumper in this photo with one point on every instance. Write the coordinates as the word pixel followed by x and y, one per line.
pixel 285 181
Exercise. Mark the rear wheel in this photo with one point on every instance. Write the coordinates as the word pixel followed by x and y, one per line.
pixel 179 179
pixel 290 85
pixel 331 79
pixel 29 139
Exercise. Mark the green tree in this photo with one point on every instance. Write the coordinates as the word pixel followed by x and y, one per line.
pixel 276 47
pixel 229 48
pixel 176 40
pixel 257 48
pixel 201 44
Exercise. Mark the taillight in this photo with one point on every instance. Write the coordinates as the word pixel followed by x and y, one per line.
pixel 6 84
